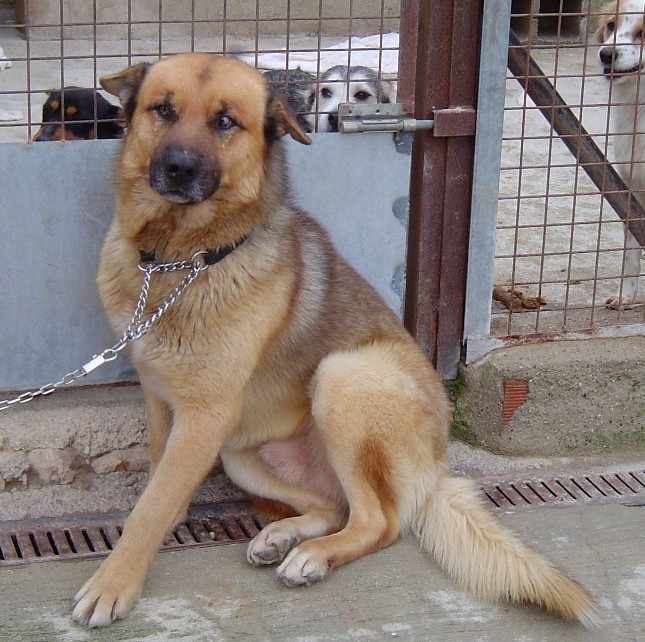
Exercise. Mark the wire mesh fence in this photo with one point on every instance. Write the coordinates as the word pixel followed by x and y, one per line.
pixel 560 250
pixel 54 44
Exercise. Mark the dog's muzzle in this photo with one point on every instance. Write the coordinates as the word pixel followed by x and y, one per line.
pixel 183 176
pixel 609 58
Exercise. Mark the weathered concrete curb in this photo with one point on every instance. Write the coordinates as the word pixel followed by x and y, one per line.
pixel 84 450
pixel 80 451
pixel 560 398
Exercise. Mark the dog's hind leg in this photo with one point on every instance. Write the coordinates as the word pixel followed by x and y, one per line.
pixel 358 404
pixel 318 515
pixel 631 270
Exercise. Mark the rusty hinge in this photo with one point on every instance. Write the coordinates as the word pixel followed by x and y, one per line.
pixel 390 117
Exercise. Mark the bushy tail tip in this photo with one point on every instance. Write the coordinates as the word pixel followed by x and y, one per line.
pixel 489 561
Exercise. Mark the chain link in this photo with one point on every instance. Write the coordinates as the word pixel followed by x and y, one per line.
pixel 136 328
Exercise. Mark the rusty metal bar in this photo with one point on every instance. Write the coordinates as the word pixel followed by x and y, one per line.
pixel 408 30
pixel 444 77
pixel 575 137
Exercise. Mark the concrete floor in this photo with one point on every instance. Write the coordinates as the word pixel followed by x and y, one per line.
pixel 212 594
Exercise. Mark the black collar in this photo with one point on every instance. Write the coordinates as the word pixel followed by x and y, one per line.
pixel 210 257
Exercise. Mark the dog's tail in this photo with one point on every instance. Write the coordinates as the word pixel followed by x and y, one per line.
pixel 489 561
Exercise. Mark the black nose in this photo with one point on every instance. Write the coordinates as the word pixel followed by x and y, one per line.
pixel 333 121
pixel 181 168
pixel 183 175
pixel 607 55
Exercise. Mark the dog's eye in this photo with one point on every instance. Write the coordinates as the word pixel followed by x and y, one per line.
pixel 165 111
pixel 610 26
pixel 223 123
pixel 325 93
pixel 361 96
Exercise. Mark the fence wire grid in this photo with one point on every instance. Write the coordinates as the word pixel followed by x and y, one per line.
pixel 560 246
pixel 51 44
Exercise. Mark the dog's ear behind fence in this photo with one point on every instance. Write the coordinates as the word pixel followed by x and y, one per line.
pixel 283 121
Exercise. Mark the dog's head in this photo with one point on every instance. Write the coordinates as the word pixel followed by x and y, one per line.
pixel 76 113
pixel 199 128
pixel 621 35
pixel 342 84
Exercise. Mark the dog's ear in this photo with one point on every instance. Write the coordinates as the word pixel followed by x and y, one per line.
pixel 280 120
pixel 310 98
pixel 125 86
pixel 600 32
pixel 608 13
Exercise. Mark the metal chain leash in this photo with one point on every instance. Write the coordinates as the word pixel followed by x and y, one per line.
pixel 136 328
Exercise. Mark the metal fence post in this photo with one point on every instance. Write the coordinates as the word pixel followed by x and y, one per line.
pixel 443 82
pixel 488 151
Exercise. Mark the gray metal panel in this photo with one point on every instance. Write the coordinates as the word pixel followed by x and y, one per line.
pixel 54 212
pixel 352 184
pixel 485 192
pixel 56 205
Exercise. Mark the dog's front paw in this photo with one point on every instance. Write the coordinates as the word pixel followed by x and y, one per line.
pixel 108 595
pixel 305 565
pixel 270 545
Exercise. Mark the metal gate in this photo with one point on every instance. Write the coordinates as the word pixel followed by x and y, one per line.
pixel 61 200
pixel 57 197
pixel 549 244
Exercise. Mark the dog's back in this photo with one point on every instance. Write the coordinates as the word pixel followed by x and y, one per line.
pixel 294 85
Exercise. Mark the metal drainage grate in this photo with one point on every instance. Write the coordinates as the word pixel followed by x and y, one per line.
pixel 566 489
pixel 24 542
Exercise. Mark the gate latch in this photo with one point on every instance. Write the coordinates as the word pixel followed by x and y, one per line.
pixel 382 117
pixel 390 117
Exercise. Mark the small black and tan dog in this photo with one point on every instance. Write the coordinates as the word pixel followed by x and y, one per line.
pixel 76 113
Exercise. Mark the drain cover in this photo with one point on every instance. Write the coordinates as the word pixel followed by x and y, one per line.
pixel 566 488
pixel 24 542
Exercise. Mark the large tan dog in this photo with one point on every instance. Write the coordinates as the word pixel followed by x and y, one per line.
pixel 279 358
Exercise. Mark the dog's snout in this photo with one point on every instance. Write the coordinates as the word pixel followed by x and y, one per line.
pixel 607 55
pixel 183 175
pixel 181 168
pixel 333 121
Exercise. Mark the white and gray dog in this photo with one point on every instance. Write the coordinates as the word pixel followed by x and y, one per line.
pixel 342 84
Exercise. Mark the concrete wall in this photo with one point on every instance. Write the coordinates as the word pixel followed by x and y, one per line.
pixel 559 398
